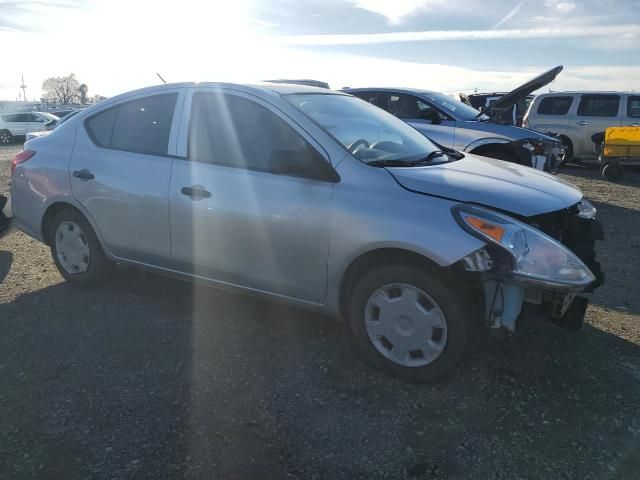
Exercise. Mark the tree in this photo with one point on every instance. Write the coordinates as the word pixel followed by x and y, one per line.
pixel 82 90
pixel 62 90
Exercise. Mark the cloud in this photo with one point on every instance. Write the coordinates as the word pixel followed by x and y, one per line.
pixel 601 31
pixel 396 10
pixel 560 6
pixel 509 15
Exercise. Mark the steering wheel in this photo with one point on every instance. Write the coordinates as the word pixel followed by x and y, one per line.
pixel 360 142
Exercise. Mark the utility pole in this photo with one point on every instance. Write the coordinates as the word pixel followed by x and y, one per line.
pixel 24 89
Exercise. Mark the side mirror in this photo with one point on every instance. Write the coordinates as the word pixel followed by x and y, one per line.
pixel 431 115
pixel 302 162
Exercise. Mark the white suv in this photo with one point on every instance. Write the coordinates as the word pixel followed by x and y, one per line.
pixel 578 115
pixel 18 124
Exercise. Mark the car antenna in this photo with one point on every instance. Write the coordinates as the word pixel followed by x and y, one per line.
pixel 160 77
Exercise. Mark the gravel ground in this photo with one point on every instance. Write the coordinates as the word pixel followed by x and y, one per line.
pixel 148 377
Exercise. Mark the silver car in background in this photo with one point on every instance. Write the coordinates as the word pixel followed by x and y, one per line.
pixel 456 125
pixel 313 198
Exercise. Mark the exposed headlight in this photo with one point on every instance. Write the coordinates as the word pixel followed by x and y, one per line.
pixel 586 209
pixel 536 257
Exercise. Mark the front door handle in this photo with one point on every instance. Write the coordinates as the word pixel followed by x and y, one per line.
pixel 84 174
pixel 196 191
pixel 582 122
pixel 635 125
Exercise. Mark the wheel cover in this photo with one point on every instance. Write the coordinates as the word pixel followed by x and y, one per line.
pixel 72 248
pixel 405 325
pixel 5 137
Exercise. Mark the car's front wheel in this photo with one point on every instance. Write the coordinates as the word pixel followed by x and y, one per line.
pixel 76 251
pixel 408 323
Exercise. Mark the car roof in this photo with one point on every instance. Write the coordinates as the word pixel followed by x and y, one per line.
pixel 389 89
pixel 589 92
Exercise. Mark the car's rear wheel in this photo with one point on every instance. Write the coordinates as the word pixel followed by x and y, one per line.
pixel 5 137
pixel 76 251
pixel 408 323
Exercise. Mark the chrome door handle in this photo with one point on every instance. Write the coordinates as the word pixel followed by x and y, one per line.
pixel 635 125
pixel 582 122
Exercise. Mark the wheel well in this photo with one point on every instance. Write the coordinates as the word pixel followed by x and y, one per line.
pixel 49 215
pixel 504 151
pixel 377 258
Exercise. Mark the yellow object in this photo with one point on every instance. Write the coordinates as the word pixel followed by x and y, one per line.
pixel 621 142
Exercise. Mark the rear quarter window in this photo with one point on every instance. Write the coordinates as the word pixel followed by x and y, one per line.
pixel 554 105
pixel 633 106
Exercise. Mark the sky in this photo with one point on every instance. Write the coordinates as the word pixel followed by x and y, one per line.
pixel 452 46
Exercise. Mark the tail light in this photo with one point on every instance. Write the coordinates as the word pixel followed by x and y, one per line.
pixel 21 157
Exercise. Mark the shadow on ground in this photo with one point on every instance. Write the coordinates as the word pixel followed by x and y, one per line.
pixel 153 378
pixel 6 259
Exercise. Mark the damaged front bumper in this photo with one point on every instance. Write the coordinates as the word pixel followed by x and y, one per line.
pixel 507 297
pixel 546 155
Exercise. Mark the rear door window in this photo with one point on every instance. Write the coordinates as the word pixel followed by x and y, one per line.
pixel 140 126
pixel 555 105
pixel 633 106
pixel 599 105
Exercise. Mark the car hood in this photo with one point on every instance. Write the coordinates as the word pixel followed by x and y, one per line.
pixel 486 181
pixel 510 99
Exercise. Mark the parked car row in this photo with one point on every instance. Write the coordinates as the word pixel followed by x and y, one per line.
pixel 19 124
pixel 318 199
pixel 576 116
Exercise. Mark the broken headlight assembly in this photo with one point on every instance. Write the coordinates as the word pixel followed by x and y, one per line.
pixel 586 209
pixel 534 257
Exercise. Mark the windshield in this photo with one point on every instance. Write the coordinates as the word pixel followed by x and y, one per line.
pixel 368 132
pixel 460 110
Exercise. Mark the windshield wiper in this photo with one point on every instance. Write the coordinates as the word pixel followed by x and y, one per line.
pixel 415 163
pixel 390 163
pixel 430 157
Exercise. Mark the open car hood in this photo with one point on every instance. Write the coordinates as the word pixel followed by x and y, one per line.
pixel 486 181
pixel 510 99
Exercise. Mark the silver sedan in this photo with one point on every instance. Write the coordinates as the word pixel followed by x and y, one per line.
pixel 309 197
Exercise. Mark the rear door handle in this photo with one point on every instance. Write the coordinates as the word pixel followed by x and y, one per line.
pixel 196 191
pixel 635 125
pixel 84 174
pixel 582 122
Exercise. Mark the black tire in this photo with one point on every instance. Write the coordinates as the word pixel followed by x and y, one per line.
pixel 612 172
pixel 457 323
pixel 5 137
pixel 99 266
pixel 568 152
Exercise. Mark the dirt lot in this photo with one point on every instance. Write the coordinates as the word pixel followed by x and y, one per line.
pixel 150 378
